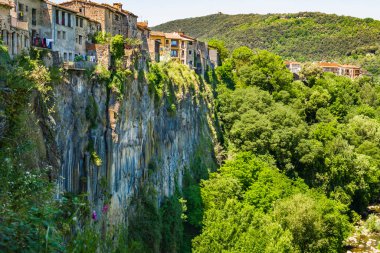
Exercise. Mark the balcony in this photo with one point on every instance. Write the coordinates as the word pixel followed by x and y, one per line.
pixel 22 25
pixel 80 65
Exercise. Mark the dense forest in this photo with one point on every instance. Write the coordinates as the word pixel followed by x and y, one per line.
pixel 302 161
pixel 301 36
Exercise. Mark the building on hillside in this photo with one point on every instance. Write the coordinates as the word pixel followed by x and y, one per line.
pixel 112 18
pixel 14 30
pixel 143 34
pixel 293 66
pixel 332 67
pixel 64 32
pixel 175 46
pixel 214 56
pixel 85 29
pixel 350 71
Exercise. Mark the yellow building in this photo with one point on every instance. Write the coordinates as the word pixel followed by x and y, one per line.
pixel 175 46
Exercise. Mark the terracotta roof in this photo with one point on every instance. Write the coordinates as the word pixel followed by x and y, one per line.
pixel 176 36
pixel 107 6
pixel 350 66
pixel 157 33
pixel 188 37
pixel 90 19
pixel 60 6
pixel 328 64
pixel 143 26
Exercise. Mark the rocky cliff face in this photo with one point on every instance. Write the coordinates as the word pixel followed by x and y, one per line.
pixel 108 146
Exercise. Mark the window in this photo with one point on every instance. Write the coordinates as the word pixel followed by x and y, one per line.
pixel 167 42
pixel 81 22
pixel 174 43
pixel 80 39
pixel 65 56
pixel 63 18
pixel 76 21
pixel 64 35
pixel 190 43
pixel 174 53
pixel 20 12
pixel 183 44
pixel 69 19
pixel 34 17
pixel 57 17
pixel 117 17
pixel 26 8
pixel 80 10
pixel 190 52
pixel 70 56
pixel 58 34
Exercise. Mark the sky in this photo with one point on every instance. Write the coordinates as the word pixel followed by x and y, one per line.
pixel 157 12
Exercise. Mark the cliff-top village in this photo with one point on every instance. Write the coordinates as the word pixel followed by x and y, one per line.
pixel 42 24
pixel 68 29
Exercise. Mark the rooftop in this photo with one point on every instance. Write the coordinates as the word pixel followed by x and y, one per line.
pixel 107 6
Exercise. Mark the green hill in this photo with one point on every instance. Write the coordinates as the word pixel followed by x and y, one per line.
pixel 301 36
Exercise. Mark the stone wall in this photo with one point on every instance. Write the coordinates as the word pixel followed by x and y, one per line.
pixel 103 55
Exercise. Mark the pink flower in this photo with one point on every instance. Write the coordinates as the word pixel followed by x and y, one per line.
pixel 94 215
pixel 105 209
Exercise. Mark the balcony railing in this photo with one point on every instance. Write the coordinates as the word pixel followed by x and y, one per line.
pixel 80 65
pixel 22 25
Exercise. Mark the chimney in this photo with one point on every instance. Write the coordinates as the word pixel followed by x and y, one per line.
pixel 118 6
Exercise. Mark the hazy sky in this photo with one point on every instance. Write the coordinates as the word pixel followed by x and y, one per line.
pixel 161 11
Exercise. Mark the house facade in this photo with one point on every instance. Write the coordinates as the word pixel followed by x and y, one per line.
pixel 175 46
pixel 332 67
pixel 85 29
pixel 112 18
pixel 14 30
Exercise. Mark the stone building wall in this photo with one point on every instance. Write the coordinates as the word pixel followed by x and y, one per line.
pixel 103 55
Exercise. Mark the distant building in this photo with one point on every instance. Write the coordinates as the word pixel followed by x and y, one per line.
pixel 332 67
pixel 293 66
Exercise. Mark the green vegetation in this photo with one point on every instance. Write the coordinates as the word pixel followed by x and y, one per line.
pixel 251 207
pixel 170 80
pixel 301 36
pixel 309 162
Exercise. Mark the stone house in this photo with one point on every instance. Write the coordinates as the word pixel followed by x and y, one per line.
pixel 85 29
pixel 14 31
pixel 64 32
pixel 112 19
pixel 143 34
pixel 214 56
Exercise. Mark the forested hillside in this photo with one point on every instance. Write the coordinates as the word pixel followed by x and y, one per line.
pixel 302 36
pixel 303 157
